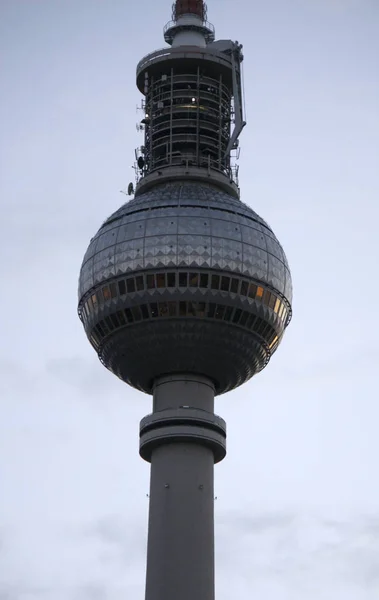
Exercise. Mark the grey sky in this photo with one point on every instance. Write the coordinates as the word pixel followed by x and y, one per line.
pixel 297 514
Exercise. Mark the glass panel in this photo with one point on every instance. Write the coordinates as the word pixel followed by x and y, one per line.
pixel 277 305
pixel 228 313
pixel 194 279
pixel 201 309
pixel 150 279
pixel 204 280
pixel 172 309
pixel 163 309
pixel 144 311
pixel 130 285
pixel 237 315
pixel 139 283
pixel 94 300
pixel 171 277
pixel 284 315
pixel 115 321
pixel 129 316
pixel 100 330
pixel 113 288
pixel 183 279
pixel 122 287
pixel 211 310
pixel 225 283
pixel 136 313
pixel 250 321
pixel 215 283
pixel 220 310
pixel 161 280
pixel 104 327
pixel 244 288
pixel 120 316
pixel 183 309
pixel 272 302
pixel 191 309
pixel 273 341
pixel 234 286
pixel 154 309
pixel 106 293
pixel 252 290
pixel 109 323
pixel 244 317
pixel 260 291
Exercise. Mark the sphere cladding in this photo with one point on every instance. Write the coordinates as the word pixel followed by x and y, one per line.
pixel 185 278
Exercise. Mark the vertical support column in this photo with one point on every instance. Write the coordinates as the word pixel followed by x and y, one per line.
pixel 180 555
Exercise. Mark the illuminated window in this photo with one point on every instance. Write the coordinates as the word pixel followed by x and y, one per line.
pixel 281 309
pixel 277 305
pixel 234 286
pixel 183 279
pixel 284 315
pixel 163 309
pixel 225 283
pixel 161 280
pixel 244 288
pixel 252 290
pixel 154 309
pixel 106 293
pixel 260 291
pixel 204 278
pixel 130 285
pixel 139 283
pixel 150 280
pixel 122 287
pixel 273 342
pixel 171 279
pixel 215 283
pixel 144 311
pixel 194 279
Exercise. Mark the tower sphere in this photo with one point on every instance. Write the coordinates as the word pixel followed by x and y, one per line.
pixel 185 278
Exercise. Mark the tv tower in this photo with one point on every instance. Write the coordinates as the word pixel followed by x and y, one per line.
pixel 185 292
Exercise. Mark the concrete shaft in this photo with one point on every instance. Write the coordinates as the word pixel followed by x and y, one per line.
pixel 180 555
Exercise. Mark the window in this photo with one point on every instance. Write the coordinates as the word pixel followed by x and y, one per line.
pixel 161 280
pixel 130 285
pixel 250 321
pixel 150 279
pixel 139 283
pixel 136 313
pixel 183 309
pixel 220 311
pixel 211 310
pixel 244 288
pixel 277 305
pixel 171 279
pixel 122 287
pixel 228 313
pixel 204 278
pixel 163 309
pixel 94 300
pixel 215 283
pixel 284 315
pixel 121 317
pixel 192 309
pixel 114 321
pixel 109 323
pixel 252 290
pixel 272 302
pixel 225 283
pixel 234 286
pixel 244 318
pixel 281 309
pixel 266 297
pixel 194 279
pixel 260 291
pixel 144 311
pixel 106 293
pixel 154 309
pixel 273 342
pixel 237 315
pixel 128 315
pixel 172 309
pixel 183 279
